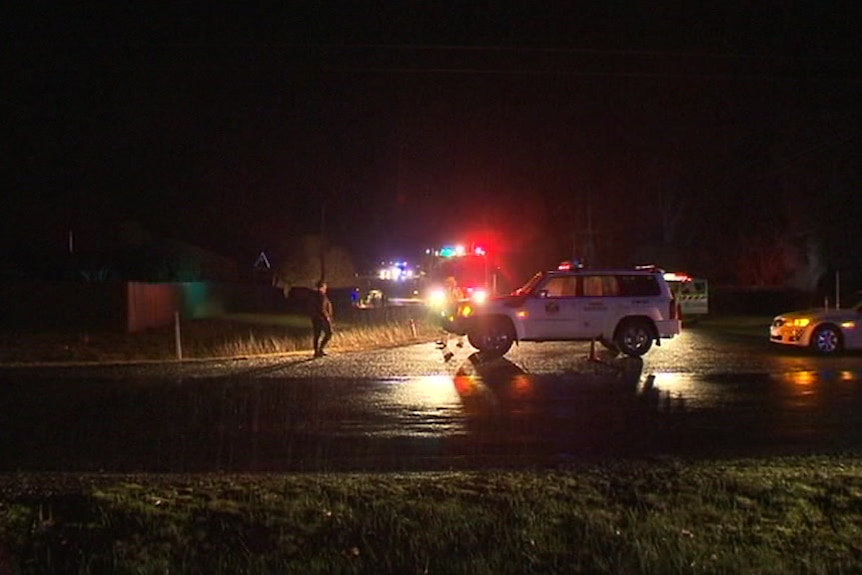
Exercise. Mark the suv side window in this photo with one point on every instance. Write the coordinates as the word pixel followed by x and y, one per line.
pixel 599 286
pixel 560 286
pixel 643 285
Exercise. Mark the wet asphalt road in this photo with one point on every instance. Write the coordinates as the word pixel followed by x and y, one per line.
pixel 416 408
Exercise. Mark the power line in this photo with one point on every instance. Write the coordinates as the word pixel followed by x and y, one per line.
pixel 563 51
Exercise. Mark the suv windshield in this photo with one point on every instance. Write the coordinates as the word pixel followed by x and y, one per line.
pixel 530 285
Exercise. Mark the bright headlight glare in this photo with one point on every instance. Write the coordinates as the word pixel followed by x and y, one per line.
pixel 800 322
pixel 466 311
pixel 437 298
pixel 480 295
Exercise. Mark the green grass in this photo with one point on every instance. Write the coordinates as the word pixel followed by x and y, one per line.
pixel 801 515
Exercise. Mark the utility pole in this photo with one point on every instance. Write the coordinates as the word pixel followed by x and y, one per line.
pixel 323 240
pixel 588 246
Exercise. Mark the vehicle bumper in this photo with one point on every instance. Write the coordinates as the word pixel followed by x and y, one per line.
pixel 787 335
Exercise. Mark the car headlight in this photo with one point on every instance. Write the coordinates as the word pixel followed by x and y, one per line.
pixel 800 322
pixel 479 296
pixel 437 298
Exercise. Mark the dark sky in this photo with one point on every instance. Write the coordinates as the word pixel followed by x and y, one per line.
pixel 419 123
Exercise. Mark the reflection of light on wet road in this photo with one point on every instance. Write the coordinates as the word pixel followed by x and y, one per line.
pixel 426 393
pixel 503 407
pixel 522 386
pixel 684 387
pixel 823 376
pixel 421 406
pixel 813 390
pixel 804 378
pixel 793 389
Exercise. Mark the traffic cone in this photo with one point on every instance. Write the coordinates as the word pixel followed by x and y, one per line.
pixel 594 356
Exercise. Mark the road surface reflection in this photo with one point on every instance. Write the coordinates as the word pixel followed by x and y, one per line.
pixel 493 413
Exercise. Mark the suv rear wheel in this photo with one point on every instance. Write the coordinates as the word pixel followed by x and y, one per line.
pixel 634 337
pixel 493 338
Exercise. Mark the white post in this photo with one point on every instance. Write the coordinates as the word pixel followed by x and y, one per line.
pixel 837 289
pixel 177 339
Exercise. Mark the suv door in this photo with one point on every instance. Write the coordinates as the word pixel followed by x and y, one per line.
pixel 551 308
pixel 597 303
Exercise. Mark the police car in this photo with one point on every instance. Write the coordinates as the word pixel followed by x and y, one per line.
pixel 625 309
pixel 823 330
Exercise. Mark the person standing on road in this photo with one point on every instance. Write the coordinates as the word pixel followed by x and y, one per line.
pixel 321 319
pixel 453 296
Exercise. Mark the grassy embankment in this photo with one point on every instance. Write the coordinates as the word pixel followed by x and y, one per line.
pixel 228 336
pixel 782 516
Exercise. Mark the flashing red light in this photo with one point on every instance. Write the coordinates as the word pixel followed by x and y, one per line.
pixel 677 277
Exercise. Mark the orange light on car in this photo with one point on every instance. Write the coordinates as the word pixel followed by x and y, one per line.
pixel 799 322
pixel 522 314
pixel 848 325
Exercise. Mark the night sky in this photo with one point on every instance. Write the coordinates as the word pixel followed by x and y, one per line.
pixel 407 125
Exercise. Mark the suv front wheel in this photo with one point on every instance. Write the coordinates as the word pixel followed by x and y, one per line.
pixel 634 337
pixel 492 338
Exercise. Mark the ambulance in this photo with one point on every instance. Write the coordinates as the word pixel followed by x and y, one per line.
pixel 692 294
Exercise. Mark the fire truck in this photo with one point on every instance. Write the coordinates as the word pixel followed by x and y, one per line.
pixel 468 266
pixel 691 293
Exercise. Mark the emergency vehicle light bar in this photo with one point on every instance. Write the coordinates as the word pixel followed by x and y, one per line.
pixel 677 277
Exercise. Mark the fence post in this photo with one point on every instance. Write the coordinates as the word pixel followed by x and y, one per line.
pixel 177 339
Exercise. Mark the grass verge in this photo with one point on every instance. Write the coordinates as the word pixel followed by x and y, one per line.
pixel 228 336
pixel 799 515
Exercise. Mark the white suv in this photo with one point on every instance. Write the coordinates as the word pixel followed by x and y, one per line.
pixel 622 309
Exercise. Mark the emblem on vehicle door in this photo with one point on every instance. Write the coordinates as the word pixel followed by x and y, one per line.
pixel 552 307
